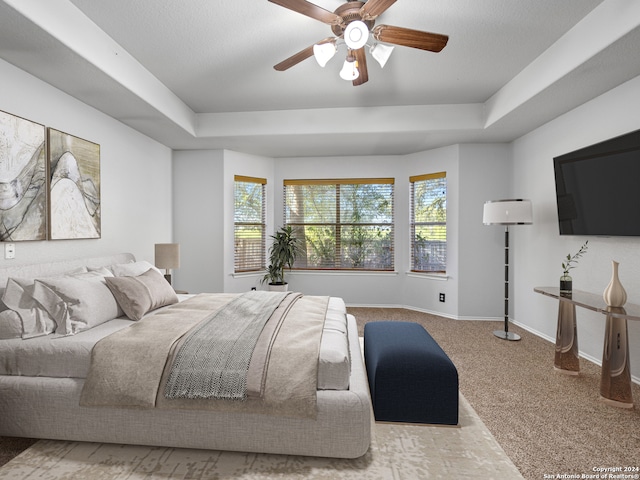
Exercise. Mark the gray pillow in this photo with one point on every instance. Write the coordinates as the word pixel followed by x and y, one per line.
pixel 18 296
pixel 10 325
pixel 76 302
pixel 142 294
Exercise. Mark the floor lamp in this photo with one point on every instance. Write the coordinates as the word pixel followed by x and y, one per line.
pixel 507 212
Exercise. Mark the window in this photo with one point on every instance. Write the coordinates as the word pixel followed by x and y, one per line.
pixel 429 222
pixel 342 224
pixel 249 223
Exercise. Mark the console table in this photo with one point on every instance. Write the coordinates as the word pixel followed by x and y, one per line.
pixel 615 379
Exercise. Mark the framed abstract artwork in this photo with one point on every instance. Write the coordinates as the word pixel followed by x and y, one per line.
pixel 23 180
pixel 74 187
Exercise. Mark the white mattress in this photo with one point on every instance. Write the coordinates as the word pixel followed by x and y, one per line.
pixel 70 356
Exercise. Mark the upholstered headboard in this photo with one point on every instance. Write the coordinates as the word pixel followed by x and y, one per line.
pixel 54 268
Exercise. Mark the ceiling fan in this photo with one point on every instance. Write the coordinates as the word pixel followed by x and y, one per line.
pixel 354 23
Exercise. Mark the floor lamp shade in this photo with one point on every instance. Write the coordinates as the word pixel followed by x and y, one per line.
pixel 507 212
pixel 167 256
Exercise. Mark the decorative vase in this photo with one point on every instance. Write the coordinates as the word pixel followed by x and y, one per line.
pixel 566 285
pixel 614 295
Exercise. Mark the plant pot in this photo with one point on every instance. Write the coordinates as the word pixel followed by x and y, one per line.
pixel 566 285
pixel 278 287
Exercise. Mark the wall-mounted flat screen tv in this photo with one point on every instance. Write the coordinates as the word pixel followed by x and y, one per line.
pixel 598 188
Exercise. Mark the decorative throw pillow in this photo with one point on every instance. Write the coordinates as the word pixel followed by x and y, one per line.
pixel 18 296
pixel 133 269
pixel 76 302
pixel 10 325
pixel 141 294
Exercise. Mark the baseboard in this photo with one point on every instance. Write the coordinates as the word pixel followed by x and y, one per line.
pixel 430 312
pixel 406 307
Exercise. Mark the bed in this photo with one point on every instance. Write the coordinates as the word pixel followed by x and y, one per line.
pixel 45 365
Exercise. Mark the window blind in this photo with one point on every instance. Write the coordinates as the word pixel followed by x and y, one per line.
pixel 249 223
pixel 429 222
pixel 342 224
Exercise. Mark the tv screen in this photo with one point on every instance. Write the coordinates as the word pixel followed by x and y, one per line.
pixel 598 188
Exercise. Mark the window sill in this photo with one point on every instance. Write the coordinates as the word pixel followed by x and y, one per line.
pixel 342 273
pixel 442 277
pixel 248 274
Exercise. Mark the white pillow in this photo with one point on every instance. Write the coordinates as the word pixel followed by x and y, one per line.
pixel 77 302
pixel 143 293
pixel 10 325
pixel 133 269
pixel 94 271
pixel 18 296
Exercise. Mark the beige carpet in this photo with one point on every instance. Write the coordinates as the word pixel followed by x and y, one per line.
pixel 547 422
pixel 398 451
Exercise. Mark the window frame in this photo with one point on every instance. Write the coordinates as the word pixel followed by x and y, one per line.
pixel 339 225
pixel 250 267
pixel 441 267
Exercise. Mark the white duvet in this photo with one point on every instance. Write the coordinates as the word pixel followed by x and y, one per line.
pixel 69 356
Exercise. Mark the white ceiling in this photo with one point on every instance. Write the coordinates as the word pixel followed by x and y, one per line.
pixel 199 74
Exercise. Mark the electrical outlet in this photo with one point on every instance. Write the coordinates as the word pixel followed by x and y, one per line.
pixel 441 297
pixel 9 251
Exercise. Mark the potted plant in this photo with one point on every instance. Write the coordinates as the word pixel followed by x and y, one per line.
pixel 566 282
pixel 282 253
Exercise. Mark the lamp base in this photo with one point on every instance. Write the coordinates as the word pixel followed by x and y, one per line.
pixel 514 337
pixel 167 277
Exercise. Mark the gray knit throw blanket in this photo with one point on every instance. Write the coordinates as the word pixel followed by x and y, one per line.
pixel 214 358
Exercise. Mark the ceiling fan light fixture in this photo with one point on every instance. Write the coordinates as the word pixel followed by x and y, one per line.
pixel 381 53
pixel 353 23
pixel 324 52
pixel 356 34
pixel 349 70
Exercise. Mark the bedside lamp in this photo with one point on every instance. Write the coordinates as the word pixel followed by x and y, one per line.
pixel 167 257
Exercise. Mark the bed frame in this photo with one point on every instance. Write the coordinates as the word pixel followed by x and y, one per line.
pixel 45 407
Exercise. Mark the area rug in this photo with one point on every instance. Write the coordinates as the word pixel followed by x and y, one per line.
pixel 398 451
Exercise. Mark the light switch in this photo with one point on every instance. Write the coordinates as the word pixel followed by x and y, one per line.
pixel 9 250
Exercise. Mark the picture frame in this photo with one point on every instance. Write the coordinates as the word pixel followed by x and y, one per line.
pixel 74 187
pixel 23 179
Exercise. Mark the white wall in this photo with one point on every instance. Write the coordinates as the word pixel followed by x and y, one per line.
pixel 541 250
pixel 484 175
pixel 135 173
pixel 198 220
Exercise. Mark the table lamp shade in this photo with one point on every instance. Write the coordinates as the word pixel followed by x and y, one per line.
pixel 508 212
pixel 167 255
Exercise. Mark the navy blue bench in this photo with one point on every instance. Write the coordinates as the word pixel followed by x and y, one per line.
pixel 410 377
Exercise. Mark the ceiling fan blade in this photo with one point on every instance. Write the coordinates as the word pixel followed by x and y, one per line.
pixel 361 59
pixel 301 55
pixel 373 8
pixel 310 10
pixel 433 42
pixel 294 59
